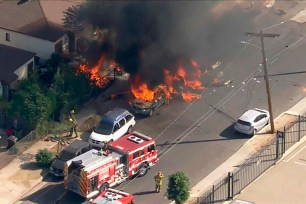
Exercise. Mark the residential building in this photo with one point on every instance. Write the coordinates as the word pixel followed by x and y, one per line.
pixel 24 25
pixel 15 64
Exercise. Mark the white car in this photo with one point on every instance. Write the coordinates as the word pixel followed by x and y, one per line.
pixel 252 121
pixel 113 125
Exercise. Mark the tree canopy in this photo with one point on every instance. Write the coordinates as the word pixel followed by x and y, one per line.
pixel 178 187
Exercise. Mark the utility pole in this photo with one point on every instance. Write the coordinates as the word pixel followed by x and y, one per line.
pixel 264 63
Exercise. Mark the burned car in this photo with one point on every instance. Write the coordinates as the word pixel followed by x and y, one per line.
pixel 145 107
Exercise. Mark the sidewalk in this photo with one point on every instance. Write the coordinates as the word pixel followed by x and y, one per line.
pixel 22 174
pixel 283 183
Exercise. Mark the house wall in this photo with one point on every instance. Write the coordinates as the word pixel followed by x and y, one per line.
pixel 22 73
pixel 42 48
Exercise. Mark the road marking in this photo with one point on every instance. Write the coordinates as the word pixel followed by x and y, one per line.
pixel 295 154
pixel 300 163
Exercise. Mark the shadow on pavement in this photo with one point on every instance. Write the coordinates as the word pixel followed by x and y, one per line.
pixel 144 193
pixel 44 195
pixel 230 133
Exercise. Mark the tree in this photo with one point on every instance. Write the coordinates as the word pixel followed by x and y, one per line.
pixel 178 187
pixel 30 103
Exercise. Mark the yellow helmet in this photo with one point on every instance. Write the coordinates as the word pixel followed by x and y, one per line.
pixel 70 119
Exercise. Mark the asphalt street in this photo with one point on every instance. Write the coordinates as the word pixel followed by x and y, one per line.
pixel 203 137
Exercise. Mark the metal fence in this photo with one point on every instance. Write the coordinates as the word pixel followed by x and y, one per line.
pixel 234 182
pixel 22 145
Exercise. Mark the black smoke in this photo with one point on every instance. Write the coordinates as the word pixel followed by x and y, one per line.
pixel 148 36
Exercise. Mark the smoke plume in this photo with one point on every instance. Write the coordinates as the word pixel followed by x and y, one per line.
pixel 148 36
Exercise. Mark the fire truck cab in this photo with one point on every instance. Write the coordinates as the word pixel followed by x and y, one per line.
pixel 112 196
pixel 95 171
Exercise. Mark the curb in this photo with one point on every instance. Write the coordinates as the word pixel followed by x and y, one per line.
pixel 37 182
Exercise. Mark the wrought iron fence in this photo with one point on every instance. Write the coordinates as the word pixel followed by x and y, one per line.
pixel 244 174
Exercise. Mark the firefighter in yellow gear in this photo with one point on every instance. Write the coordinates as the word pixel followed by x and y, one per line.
pixel 72 114
pixel 158 181
pixel 73 127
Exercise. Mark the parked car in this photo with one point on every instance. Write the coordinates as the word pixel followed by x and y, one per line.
pixel 252 121
pixel 74 149
pixel 112 126
pixel 146 108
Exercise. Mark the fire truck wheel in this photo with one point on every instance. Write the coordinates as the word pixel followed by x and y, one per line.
pixel 103 187
pixel 143 169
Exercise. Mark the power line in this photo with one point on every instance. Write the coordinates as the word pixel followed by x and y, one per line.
pixel 262 35
pixel 198 124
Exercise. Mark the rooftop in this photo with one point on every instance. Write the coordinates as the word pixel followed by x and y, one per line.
pixel 29 17
pixel 12 59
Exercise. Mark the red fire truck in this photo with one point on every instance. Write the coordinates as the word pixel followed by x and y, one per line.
pixel 112 196
pixel 95 171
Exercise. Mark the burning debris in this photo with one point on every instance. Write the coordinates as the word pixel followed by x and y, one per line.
pixel 101 72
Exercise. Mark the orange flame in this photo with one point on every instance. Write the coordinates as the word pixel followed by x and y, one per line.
pixel 94 72
pixel 169 80
pixel 140 89
pixel 189 97
pixel 190 81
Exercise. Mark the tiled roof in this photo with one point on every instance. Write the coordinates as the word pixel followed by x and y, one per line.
pixel 12 59
pixel 28 18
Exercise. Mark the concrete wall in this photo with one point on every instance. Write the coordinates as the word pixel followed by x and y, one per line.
pixel 42 48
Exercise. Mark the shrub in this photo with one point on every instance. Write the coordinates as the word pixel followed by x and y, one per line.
pixel 44 157
pixel 178 187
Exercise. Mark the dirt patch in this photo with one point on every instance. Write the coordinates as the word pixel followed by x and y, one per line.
pixel 262 139
pixel 89 123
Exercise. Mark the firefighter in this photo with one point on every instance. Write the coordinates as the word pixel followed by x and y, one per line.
pixel 158 181
pixel 73 127
pixel 72 114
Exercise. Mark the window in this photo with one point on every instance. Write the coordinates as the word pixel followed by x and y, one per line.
pixel 123 159
pixel 257 119
pixel 151 148
pixel 128 118
pixel 135 155
pixel 122 122
pixel 141 152
pixel 116 127
pixel 244 122
pixel 7 37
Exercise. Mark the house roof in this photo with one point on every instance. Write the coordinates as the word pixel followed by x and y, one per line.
pixel 12 59
pixel 28 17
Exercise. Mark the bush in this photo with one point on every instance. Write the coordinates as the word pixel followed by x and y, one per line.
pixel 44 157
pixel 178 187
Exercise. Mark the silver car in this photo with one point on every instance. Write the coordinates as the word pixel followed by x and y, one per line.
pixel 252 121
